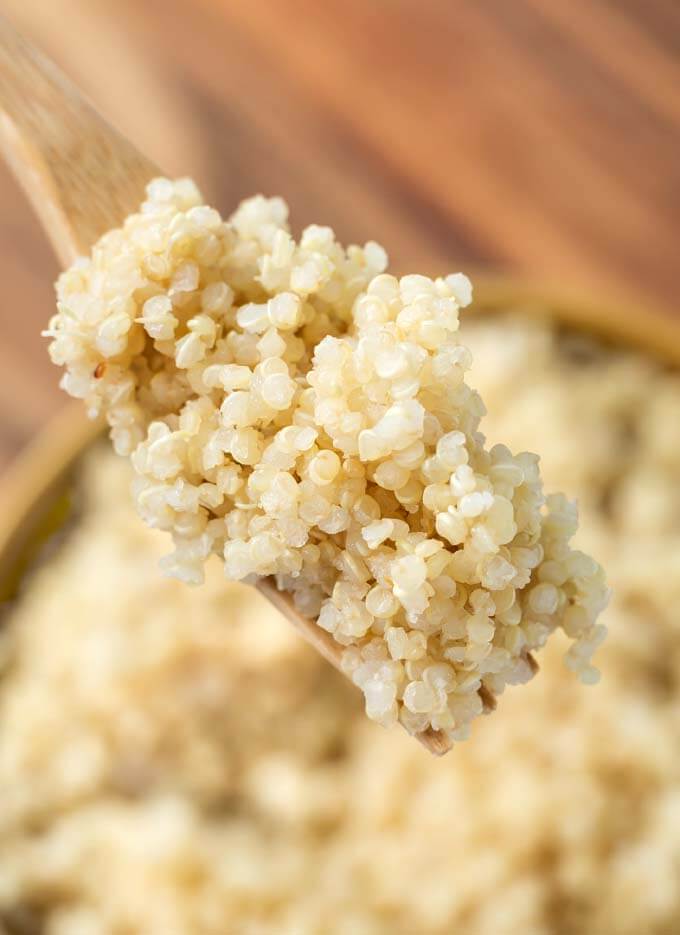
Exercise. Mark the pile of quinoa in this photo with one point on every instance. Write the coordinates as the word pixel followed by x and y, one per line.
pixel 185 749
pixel 295 409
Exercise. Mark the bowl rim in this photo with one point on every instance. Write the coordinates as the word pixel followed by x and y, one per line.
pixel 39 474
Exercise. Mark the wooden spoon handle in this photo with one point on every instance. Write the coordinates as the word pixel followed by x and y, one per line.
pixel 81 175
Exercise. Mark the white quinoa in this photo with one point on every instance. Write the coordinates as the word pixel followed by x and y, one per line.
pixel 296 410
pixel 176 761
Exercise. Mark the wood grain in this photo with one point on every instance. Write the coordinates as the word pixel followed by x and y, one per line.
pixel 532 136
pixel 81 175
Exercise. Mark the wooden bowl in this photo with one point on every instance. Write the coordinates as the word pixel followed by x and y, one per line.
pixel 36 494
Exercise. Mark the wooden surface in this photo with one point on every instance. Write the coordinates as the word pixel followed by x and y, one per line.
pixel 531 136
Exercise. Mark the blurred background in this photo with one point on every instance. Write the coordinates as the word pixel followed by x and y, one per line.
pixel 533 137
pixel 222 778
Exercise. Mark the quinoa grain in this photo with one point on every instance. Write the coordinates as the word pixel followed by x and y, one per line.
pixel 274 395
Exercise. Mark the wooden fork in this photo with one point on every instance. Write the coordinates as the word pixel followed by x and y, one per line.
pixel 84 178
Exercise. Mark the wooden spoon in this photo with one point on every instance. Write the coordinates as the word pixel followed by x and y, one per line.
pixel 84 178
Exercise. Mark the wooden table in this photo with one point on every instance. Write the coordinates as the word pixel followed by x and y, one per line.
pixel 537 137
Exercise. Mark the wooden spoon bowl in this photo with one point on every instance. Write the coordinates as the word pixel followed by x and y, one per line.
pixel 84 178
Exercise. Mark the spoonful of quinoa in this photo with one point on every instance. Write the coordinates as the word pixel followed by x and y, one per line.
pixel 291 407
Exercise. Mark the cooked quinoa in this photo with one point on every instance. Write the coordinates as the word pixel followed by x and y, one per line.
pixel 295 409
pixel 177 761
